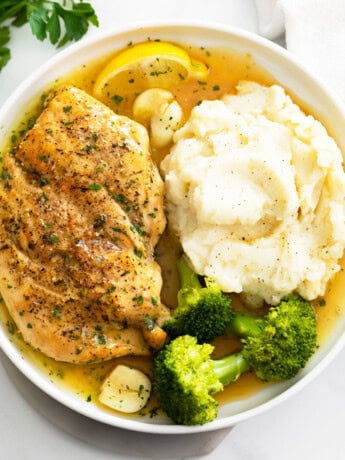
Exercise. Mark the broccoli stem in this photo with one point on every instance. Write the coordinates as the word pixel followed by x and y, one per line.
pixel 187 276
pixel 245 325
pixel 230 368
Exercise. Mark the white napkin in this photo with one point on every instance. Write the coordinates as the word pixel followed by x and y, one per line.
pixel 315 33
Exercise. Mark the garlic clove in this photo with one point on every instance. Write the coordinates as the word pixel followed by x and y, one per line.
pixel 125 389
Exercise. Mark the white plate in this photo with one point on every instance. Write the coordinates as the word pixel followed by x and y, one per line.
pixel 289 73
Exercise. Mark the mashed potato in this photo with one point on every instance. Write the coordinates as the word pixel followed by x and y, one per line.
pixel 256 193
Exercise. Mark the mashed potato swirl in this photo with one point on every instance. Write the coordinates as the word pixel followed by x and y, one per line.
pixel 256 193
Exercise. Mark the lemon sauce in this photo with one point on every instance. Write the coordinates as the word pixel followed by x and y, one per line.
pixel 225 69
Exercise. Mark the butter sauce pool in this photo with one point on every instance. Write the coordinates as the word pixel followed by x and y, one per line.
pixel 226 68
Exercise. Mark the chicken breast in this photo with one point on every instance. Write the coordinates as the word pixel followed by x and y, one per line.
pixel 81 210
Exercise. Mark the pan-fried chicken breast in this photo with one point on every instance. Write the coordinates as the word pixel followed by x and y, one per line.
pixel 81 210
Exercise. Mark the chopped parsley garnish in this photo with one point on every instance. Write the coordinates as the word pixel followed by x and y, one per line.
pixel 139 230
pixel 139 299
pixel 59 373
pixel 119 230
pixel 53 238
pixel 6 175
pixel 56 313
pixel 95 187
pixel 140 390
pixel 11 327
pixel 100 339
pixel 44 158
pixel 119 198
pixel 117 99
pixel 153 412
pixel 138 253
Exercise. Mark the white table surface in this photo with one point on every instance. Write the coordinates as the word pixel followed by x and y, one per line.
pixel 310 425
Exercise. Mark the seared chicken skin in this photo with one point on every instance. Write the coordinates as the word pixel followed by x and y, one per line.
pixel 81 210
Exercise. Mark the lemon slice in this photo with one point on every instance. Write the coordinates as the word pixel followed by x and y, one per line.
pixel 148 65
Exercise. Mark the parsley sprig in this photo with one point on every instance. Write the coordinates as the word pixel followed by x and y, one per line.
pixel 59 22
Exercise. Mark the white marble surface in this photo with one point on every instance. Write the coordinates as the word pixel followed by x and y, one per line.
pixel 310 425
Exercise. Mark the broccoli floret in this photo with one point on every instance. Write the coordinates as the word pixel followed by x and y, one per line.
pixel 203 312
pixel 276 347
pixel 184 381
pixel 280 344
pixel 185 378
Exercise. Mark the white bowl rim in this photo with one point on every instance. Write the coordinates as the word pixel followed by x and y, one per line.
pixel 31 372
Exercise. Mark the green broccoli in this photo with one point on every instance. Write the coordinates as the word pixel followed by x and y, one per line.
pixel 203 312
pixel 185 378
pixel 279 344
pixel 184 381
pixel 276 347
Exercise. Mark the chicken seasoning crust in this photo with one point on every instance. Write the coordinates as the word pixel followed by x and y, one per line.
pixel 81 207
